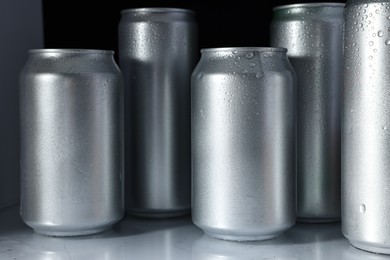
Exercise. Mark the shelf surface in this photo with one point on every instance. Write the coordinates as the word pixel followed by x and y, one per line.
pixel 171 239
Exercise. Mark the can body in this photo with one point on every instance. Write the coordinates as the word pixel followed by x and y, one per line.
pixel 365 126
pixel 313 35
pixel 243 143
pixel 71 141
pixel 157 54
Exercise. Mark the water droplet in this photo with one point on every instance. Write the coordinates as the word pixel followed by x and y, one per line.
pixel 362 208
pixel 244 71
pixel 227 93
pixel 252 64
pixel 387 42
pixel 249 55
pixel 371 43
pixel 384 127
pixel 259 75
pixel 235 52
pixel 370 57
pixel 377 11
pixel 380 33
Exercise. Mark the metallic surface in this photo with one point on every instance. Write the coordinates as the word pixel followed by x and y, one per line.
pixel 365 126
pixel 243 143
pixel 71 141
pixel 157 53
pixel 174 239
pixel 313 35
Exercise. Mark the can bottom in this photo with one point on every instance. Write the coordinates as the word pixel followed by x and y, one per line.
pixel 242 238
pixel 71 233
pixel 317 220
pixel 369 247
pixel 158 213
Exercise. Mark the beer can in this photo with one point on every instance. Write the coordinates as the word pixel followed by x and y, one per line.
pixel 313 35
pixel 365 126
pixel 71 141
pixel 243 143
pixel 157 54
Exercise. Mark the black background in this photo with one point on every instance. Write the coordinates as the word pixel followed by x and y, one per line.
pixel 75 24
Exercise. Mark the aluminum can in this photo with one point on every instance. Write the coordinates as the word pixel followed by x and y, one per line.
pixel 71 141
pixel 313 35
pixel 365 126
pixel 243 143
pixel 157 54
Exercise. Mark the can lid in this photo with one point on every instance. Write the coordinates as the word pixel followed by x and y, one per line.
pixel 237 49
pixel 309 5
pixel 70 51
pixel 157 10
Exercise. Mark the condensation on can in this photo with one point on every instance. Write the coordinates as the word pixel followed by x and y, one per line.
pixel 71 141
pixel 243 143
pixel 157 54
pixel 313 35
pixel 365 126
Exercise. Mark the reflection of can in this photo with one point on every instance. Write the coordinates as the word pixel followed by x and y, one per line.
pixel 243 137
pixel 207 248
pixel 71 141
pixel 157 54
pixel 313 35
pixel 366 125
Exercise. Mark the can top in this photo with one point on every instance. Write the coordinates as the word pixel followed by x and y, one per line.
pixel 237 49
pixel 157 10
pixel 72 51
pixel 309 5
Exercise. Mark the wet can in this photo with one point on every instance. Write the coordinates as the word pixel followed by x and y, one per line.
pixel 157 54
pixel 366 125
pixel 72 172
pixel 243 143
pixel 313 35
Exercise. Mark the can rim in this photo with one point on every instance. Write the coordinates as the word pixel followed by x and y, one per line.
pixel 323 4
pixel 157 10
pixel 69 51
pixel 261 49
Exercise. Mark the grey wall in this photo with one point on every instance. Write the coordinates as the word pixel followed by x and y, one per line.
pixel 21 28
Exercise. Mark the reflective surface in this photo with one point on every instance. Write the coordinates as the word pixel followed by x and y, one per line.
pixel 313 35
pixel 176 238
pixel 365 125
pixel 243 143
pixel 157 53
pixel 71 138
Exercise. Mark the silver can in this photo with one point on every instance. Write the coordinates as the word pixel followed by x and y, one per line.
pixel 313 35
pixel 366 125
pixel 157 54
pixel 71 141
pixel 243 143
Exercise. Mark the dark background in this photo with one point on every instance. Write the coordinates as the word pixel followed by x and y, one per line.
pixel 75 24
